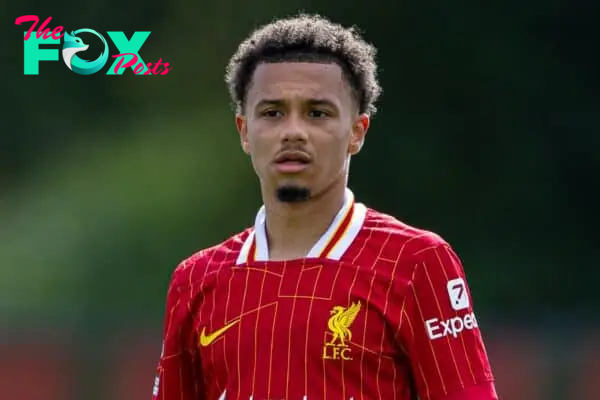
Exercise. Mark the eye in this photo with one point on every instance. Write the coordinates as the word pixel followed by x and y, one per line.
pixel 318 114
pixel 272 113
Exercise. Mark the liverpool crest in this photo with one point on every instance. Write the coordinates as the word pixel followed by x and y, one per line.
pixel 339 325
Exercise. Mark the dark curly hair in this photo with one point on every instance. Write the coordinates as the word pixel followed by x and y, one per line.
pixel 307 38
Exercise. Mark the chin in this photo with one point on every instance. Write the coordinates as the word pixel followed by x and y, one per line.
pixel 293 193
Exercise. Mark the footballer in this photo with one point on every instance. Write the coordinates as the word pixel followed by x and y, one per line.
pixel 323 297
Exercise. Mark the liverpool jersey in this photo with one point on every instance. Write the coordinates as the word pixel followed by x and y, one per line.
pixel 377 310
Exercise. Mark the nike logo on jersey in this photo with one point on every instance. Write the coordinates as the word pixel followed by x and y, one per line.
pixel 206 340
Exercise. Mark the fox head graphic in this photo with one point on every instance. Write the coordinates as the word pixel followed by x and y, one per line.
pixel 73 44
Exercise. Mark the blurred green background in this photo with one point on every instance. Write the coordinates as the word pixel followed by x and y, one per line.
pixel 487 133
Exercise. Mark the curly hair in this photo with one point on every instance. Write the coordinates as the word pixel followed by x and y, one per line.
pixel 307 38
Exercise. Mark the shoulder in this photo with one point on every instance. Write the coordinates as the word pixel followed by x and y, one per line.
pixel 397 240
pixel 415 251
pixel 202 263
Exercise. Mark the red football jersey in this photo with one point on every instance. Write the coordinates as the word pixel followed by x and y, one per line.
pixel 377 310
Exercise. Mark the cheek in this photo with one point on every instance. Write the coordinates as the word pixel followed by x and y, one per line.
pixel 258 149
pixel 336 153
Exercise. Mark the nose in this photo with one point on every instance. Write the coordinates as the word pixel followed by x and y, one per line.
pixel 294 130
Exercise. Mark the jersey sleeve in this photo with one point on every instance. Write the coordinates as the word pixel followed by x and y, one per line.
pixel 178 372
pixel 440 333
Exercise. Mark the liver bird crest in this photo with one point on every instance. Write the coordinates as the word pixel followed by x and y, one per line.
pixel 340 321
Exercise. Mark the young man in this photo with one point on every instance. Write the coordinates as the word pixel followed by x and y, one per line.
pixel 323 298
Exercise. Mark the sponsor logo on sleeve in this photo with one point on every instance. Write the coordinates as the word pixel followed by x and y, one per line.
pixel 453 327
pixel 457 291
pixel 459 301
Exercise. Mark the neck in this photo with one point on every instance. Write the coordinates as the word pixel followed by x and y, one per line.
pixel 294 228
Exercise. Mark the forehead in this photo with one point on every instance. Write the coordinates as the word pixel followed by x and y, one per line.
pixel 299 80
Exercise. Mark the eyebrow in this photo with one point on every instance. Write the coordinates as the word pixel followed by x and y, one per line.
pixel 311 101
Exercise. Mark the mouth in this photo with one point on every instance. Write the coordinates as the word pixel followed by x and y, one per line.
pixel 292 161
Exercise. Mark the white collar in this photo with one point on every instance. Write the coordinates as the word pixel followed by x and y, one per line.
pixel 332 245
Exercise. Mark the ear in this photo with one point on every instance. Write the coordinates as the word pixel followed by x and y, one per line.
pixel 359 131
pixel 242 128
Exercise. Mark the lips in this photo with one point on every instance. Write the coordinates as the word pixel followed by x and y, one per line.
pixel 292 162
pixel 299 157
